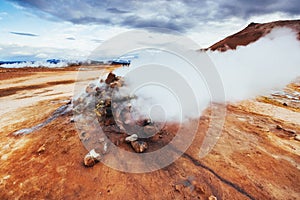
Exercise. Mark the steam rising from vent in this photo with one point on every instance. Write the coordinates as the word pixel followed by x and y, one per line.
pixel 170 81
pixel 164 91
pixel 268 64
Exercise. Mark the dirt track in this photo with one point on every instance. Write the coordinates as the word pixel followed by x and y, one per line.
pixel 256 157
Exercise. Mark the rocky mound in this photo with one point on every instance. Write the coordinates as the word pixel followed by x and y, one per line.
pixel 119 123
pixel 252 33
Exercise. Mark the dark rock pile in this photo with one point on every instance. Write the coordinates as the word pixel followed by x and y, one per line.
pixel 118 119
pixel 115 114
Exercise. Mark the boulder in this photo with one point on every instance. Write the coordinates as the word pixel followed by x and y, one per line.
pixel 91 158
pixel 110 78
pixel 131 138
pixel 139 146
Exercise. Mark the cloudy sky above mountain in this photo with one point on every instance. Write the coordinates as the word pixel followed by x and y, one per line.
pixel 40 29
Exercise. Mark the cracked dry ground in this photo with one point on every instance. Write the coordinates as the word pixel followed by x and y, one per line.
pixel 256 157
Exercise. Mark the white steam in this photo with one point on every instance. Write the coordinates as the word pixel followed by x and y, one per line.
pixel 165 86
pixel 265 65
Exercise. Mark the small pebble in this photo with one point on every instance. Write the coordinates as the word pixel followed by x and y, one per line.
pixel 278 127
pixel 41 149
pixel 4 157
pixel 89 161
pixel 212 197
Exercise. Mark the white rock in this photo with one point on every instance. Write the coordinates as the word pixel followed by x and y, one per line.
pixel 4 157
pixel 105 148
pixel 131 138
pixel 212 197
pixel 91 158
pixel 6 177
pixel 95 155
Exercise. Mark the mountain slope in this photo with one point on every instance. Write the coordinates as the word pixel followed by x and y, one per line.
pixel 252 33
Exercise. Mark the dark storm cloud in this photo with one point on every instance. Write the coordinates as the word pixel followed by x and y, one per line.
pixel 24 34
pixel 178 15
pixel 245 9
pixel 117 11
pixel 89 20
pixel 138 22
pixel 70 38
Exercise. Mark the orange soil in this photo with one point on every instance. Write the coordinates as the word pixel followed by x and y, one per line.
pixel 256 156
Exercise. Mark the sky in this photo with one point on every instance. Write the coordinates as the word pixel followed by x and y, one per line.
pixel 43 29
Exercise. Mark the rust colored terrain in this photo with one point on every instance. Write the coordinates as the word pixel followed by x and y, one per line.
pixel 256 157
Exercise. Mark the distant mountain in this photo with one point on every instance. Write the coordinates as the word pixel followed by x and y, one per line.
pixel 252 33
pixel 45 63
pixel 51 61
pixel 54 62
pixel 11 62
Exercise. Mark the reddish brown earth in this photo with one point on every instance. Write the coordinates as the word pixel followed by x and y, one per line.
pixel 252 33
pixel 256 156
pixel 7 73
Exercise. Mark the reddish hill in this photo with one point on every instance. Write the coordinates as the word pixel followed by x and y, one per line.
pixel 252 33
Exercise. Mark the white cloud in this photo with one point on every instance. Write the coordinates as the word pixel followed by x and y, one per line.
pixel 2 14
pixel 204 26
pixel 29 53
pixel 54 37
pixel 272 17
pixel 42 55
pixel 21 53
